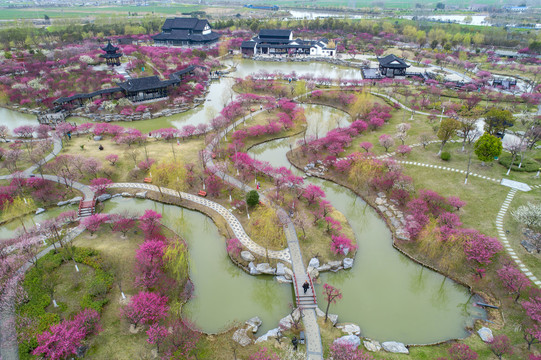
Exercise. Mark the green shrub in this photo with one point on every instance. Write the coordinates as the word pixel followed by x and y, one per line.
pixel 88 302
pixel 38 299
pixel 528 165
pixel 445 156
pixel 252 198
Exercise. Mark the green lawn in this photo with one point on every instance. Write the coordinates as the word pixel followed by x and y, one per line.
pixel 515 229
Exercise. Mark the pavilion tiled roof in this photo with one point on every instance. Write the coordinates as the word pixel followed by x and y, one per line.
pixel 133 85
pixel 109 47
pixel 180 23
pixel 274 33
pixel 393 62
pixel 142 84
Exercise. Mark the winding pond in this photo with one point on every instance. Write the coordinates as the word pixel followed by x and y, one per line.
pixel 222 292
pixel 219 95
pixel 388 295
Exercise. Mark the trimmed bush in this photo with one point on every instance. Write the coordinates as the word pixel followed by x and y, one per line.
pixel 445 156
pixel 528 164
pixel 252 198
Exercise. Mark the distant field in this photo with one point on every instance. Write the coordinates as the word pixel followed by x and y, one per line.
pixel 80 11
pixel 177 9
pixel 402 4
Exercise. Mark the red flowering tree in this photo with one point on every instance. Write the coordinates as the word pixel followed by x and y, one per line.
pixel 346 351
pixel 341 244
pixel 532 334
pixel 234 247
pixel 112 158
pixel 455 202
pixel 149 263
pixel 313 193
pixel 533 308
pixel 94 222
pixel 99 185
pixel 386 141
pixel 403 150
pixel 366 146
pixel 62 340
pixel 156 335
pixel 513 280
pixel 181 342
pixel 264 354
pixel 479 249
pixel 150 223
pixel 122 223
pixel 145 308
pixel 459 351
pixel 500 346
pixel 332 295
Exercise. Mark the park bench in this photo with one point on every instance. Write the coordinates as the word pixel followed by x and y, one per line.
pixel 147 180
pixel 202 193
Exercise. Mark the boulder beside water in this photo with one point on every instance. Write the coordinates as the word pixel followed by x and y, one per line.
pixel 352 340
pixel 247 256
pixel 350 328
pixel 395 347
pixel 485 334
pixel 241 336
pixel 254 323
pixel 372 345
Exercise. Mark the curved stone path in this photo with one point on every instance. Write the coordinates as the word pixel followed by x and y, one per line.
pixel 314 348
pixel 508 248
pixel 499 217
pixel 404 106
pixel 57 147
pixel 232 221
pixel 9 348
pixel 445 168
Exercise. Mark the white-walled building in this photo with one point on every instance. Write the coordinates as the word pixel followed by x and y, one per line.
pixel 281 42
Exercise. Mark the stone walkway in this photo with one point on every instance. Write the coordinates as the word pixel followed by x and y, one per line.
pixel 508 248
pixel 57 147
pixel 232 221
pixel 314 348
pixel 444 168
pixel 404 106
pixel 501 213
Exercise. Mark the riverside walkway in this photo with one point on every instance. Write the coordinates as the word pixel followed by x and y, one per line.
pixel 308 302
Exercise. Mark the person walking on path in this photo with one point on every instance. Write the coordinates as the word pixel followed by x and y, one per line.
pixel 306 286
pixel 295 342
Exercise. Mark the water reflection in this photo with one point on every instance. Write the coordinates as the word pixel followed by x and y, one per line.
pixel 223 294
pixel 388 295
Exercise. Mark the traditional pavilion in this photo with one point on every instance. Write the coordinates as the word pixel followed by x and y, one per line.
pixel 186 31
pixel 136 89
pixel 112 57
pixel 392 66
pixel 281 42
